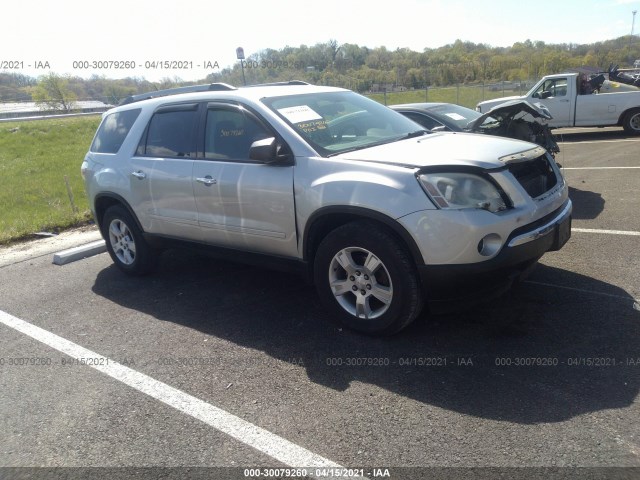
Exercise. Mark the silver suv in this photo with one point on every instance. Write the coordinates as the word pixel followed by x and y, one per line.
pixel 379 213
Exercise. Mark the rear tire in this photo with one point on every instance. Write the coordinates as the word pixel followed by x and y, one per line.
pixel 125 243
pixel 367 279
pixel 631 122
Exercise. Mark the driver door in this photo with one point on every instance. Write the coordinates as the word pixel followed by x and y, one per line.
pixel 242 203
pixel 559 102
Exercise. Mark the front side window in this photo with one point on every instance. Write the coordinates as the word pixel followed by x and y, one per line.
pixel 113 131
pixel 337 122
pixel 557 87
pixel 171 133
pixel 230 132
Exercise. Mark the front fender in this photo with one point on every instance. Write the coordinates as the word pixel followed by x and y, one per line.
pixel 342 191
pixel 329 218
pixel 393 191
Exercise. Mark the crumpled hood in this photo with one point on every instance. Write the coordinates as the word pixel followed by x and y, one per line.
pixel 508 110
pixel 487 104
pixel 445 148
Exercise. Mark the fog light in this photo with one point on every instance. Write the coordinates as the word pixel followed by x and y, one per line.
pixel 490 245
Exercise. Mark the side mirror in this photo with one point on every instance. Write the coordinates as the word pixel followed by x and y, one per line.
pixel 545 94
pixel 263 150
pixel 267 150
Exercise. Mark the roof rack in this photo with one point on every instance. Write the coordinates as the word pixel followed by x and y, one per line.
pixel 279 84
pixel 213 87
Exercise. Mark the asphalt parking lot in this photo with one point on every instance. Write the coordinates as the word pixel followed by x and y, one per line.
pixel 235 370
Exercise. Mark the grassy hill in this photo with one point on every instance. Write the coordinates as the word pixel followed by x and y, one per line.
pixel 35 156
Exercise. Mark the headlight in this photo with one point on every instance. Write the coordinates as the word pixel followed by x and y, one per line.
pixel 462 190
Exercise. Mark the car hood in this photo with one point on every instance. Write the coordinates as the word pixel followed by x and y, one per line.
pixel 505 112
pixel 447 148
pixel 498 101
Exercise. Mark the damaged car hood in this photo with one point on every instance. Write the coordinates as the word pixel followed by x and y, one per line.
pixel 508 110
pixel 446 148
pixel 517 119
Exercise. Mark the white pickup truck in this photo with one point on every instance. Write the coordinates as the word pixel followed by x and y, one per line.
pixel 570 105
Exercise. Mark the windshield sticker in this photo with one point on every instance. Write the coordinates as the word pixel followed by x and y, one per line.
pixel 310 127
pixel 455 116
pixel 299 114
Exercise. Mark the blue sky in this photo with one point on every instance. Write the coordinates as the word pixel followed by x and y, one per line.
pixel 65 31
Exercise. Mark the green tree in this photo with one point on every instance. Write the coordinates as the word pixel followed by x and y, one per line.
pixel 52 93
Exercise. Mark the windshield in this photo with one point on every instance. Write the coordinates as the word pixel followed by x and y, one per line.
pixel 461 116
pixel 337 122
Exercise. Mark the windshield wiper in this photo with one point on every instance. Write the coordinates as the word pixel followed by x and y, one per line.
pixel 352 149
pixel 417 133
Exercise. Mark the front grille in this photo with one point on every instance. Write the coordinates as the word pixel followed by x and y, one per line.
pixel 536 176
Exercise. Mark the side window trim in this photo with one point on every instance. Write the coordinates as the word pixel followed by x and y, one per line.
pixel 176 107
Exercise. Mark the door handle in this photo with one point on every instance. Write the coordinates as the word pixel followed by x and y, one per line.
pixel 208 180
pixel 139 175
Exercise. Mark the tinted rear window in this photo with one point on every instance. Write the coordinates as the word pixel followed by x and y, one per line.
pixel 171 133
pixel 113 130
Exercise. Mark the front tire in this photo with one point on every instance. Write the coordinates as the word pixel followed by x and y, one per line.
pixel 631 122
pixel 125 243
pixel 367 279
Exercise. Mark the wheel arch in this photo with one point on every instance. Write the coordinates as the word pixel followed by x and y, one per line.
pixel 327 219
pixel 104 201
pixel 623 116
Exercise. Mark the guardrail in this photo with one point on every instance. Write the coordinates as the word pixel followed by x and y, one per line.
pixel 45 117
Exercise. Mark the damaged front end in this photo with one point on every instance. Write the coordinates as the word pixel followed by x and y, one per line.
pixel 517 119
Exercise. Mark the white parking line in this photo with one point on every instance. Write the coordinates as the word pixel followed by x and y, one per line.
pixel 599 168
pixel 635 302
pixel 598 141
pixel 262 440
pixel 609 232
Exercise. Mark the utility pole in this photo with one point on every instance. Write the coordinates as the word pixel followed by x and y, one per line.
pixel 633 24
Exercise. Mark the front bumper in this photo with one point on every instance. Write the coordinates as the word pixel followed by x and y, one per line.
pixel 561 219
pixel 492 277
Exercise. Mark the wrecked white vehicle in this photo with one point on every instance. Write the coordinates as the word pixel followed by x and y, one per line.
pixel 519 119
pixel 580 99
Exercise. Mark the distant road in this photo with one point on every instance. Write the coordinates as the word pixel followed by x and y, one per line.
pixel 44 117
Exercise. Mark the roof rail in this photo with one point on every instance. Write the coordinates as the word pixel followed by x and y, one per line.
pixel 216 87
pixel 280 84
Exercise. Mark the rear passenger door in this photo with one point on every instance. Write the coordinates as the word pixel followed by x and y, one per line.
pixel 161 179
pixel 242 203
